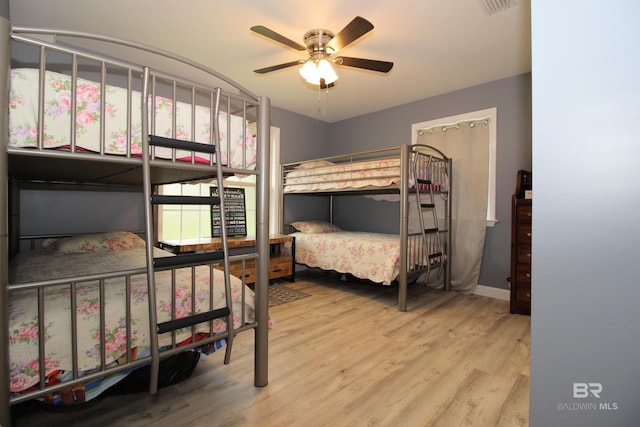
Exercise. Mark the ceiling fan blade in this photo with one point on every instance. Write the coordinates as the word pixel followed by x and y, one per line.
pixel 355 29
pixel 367 64
pixel 264 31
pixel 278 67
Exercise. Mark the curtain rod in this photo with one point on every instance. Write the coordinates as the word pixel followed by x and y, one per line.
pixel 444 128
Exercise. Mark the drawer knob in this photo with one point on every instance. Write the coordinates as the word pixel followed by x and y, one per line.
pixel 529 234
pixel 528 294
pixel 528 274
pixel 529 255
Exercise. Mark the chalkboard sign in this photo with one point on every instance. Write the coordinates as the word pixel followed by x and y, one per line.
pixel 236 213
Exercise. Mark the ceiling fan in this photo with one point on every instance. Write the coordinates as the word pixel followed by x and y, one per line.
pixel 320 45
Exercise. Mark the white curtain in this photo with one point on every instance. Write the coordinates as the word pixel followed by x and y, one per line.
pixel 467 143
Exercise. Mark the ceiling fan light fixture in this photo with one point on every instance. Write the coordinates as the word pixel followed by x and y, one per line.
pixel 309 72
pixel 313 72
pixel 320 44
pixel 326 71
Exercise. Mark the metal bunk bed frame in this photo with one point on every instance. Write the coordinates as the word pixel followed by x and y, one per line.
pixel 123 165
pixel 407 154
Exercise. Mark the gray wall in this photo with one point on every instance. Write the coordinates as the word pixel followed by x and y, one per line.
pixel 85 211
pixel 301 138
pixel 392 127
pixel 585 277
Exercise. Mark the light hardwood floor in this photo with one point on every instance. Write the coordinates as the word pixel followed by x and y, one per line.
pixel 345 356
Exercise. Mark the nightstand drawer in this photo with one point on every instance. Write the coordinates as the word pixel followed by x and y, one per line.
pixel 235 269
pixel 280 266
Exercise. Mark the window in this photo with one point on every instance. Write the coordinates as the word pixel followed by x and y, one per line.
pixel 489 114
pixel 194 221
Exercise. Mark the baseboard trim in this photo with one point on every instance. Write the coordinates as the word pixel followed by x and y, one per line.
pixel 491 292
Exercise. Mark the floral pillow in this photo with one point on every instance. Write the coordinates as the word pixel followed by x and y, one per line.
pixel 100 242
pixel 315 227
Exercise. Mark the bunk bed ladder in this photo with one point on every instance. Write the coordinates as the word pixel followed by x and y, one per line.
pixel 422 171
pixel 191 260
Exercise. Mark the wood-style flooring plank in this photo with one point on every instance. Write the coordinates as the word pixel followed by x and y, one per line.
pixel 345 356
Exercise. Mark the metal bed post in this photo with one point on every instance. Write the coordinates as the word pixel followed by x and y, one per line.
pixel 404 225
pixel 5 411
pixel 331 208
pixel 148 220
pixel 448 225
pixel 261 370
pixel 223 221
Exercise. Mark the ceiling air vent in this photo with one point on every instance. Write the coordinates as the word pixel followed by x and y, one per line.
pixel 494 6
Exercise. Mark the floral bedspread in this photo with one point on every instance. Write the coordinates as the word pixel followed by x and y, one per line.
pixel 372 256
pixel 375 173
pixel 42 265
pixel 23 120
pixel 322 175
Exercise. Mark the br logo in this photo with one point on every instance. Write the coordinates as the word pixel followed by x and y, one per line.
pixel 584 390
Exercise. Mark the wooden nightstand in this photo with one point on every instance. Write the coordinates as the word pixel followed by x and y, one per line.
pixel 281 263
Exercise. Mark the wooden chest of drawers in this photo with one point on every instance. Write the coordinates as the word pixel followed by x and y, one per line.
pixel 521 248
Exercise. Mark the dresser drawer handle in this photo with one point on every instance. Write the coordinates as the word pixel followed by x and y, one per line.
pixel 528 294
pixel 529 234
pixel 276 270
pixel 528 275
pixel 529 255
pixel 528 213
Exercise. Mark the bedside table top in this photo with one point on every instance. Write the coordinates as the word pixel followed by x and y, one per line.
pixel 214 243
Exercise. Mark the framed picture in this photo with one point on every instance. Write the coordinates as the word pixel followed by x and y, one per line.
pixel 235 213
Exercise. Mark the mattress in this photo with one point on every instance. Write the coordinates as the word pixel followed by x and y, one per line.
pixel 49 264
pixel 372 256
pixel 322 175
pixel 319 176
pixel 23 120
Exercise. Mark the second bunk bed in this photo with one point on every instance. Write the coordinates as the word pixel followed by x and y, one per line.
pixel 80 312
pixel 418 176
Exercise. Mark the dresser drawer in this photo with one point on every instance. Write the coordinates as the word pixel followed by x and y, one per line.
pixel 523 254
pixel 523 234
pixel 523 214
pixel 523 274
pixel 523 294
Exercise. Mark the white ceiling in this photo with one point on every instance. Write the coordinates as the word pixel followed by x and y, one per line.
pixel 437 46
